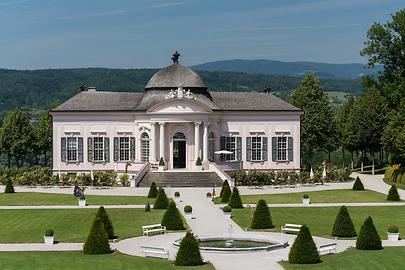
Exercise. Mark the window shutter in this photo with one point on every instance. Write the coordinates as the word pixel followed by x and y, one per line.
pixel 80 149
pixel 90 149
pixel 273 148
pixel 248 148
pixel 132 148
pixel 290 149
pixel 106 149
pixel 238 148
pixel 116 149
pixel 222 147
pixel 264 149
pixel 63 149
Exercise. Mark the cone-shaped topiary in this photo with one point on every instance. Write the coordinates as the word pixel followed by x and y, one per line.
pixel 225 183
pixel 368 238
pixel 343 226
pixel 97 241
pixel 152 190
pixel 161 201
pixel 189 251
pixel 172 218
pixel 235 201
pixel 261 217
pixel 358 185
pixel 9 187
pixel 303 250
pixel 108 227
pixel 226 194
pixel 393 194
pixel 147 207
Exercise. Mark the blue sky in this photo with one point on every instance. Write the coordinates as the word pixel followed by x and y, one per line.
pixel 144 33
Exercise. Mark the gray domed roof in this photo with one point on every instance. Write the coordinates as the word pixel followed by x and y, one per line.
pixel 173 76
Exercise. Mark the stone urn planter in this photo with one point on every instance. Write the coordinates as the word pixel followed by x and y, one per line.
pixel 209 196
pixel 177 196
pixel 188 211
pixel 305 199
pixel 82 202
pixel 227 210
pixel 198 164
pixel 48 237
pixel 393 233
pixel 161 166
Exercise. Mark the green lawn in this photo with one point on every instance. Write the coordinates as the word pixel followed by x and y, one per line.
pixel 35 198
pixel 390 258
pixel 320 219
pixel 67 260
pixel 70 225
pixel 323 196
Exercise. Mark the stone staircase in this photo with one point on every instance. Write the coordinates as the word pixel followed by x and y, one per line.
pixel 181 179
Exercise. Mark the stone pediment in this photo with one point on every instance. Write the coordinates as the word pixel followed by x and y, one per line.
pixel 180 105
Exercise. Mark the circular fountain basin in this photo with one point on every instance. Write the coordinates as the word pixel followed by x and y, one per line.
pixel 235 243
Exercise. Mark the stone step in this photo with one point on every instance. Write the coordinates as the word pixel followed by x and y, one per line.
pixel 181 179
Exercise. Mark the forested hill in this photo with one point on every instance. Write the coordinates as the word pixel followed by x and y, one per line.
pixel 38 88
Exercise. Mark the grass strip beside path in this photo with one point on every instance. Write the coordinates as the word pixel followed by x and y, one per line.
pixel 67 260
pixel 320 219
pixel 390 258
pixel 36 198
pixel 70 225
pixel 322 196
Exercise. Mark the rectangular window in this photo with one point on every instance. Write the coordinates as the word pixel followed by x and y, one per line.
pixel 281 148
pixel 145 150
pixel 257 148
pixel 124 148
pixel 230 145
pixel 71 148
pixel 98 148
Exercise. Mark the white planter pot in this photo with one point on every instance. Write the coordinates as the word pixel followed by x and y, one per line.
pixel 227 214
pixel 188 215
pixel 177 198
pixel 132 183
pixel 82 203
pixel 198 168
pixel 161 168
pixel 209 199
pixel 305 201
pixel 48 240
pixel 393 236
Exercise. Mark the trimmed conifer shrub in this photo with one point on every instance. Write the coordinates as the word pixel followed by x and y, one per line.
pixel 368 238
pixel 152 190
pixel 343 226
pixel 225 183
pixel 147 207
pixel 358 185
pixel 303 250
pixel 161 201
pixel 235 201
pixel 9 187
pixel 261 217
pixel 189 251
pixel 172 218
pixel 393 194
pixel 97 241
pixel 108 227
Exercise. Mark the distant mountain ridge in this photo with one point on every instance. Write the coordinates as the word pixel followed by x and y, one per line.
pixel 295 69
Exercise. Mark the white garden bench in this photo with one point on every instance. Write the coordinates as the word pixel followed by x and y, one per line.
pixel 155 228
pixel 327 248
pixel 291 228
pixel 156 252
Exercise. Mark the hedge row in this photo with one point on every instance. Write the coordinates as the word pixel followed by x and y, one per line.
pixel 395 174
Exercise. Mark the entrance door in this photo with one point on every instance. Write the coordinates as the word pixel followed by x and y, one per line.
pixel 179 151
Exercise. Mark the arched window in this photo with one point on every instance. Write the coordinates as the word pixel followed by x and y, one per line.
pixel 145 141
pixel 179 136
pixel 211 147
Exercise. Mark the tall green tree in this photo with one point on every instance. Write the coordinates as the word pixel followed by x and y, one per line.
pixel 385 46
pixel 16 136
pixel 43 135
pixel 393 137
pixel 318 127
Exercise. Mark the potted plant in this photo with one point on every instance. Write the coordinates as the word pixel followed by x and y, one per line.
pixel 227 211
pixel 187 211
pixel 198 164
pixel 48 237
pixel 161 165
pixel 177 195
pixel 82 201
pixel 393 233
pixel 209 196
pixel 305 199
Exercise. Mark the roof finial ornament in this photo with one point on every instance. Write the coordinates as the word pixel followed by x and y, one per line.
pixel 175 57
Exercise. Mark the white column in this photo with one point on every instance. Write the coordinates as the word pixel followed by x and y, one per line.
pixel 153 142
pixel 162 140
pixel 196 139
pixel 205 142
